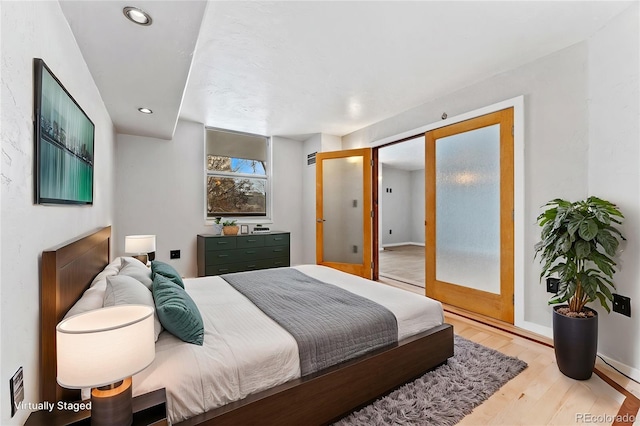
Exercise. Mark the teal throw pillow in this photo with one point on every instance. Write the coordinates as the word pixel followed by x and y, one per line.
pixel 177 312
pixel 166 271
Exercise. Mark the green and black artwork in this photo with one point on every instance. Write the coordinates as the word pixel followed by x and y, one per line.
pixel 64 143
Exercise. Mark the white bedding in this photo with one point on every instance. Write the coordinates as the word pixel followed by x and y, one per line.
pixel 245 351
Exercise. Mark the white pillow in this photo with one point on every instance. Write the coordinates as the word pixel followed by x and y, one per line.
pixel 136 269
pixel 125 290
pixel 93 297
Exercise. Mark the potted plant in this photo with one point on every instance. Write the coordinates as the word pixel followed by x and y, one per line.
pixel 217 226
pixel 229 227
pixel 578 243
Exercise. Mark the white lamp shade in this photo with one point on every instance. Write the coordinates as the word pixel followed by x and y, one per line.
pixel 139 244
pixel 103 346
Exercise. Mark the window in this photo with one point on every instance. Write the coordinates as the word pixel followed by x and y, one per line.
pixel 237 175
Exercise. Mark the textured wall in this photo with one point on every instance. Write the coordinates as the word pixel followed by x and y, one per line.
pixel 160 191
pixel 29 30
pixel 614 165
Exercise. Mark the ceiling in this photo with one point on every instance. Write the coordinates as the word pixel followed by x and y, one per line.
pixel 298 67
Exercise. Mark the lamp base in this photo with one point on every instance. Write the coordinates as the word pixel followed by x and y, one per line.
pixel 112 406
pixel 142 258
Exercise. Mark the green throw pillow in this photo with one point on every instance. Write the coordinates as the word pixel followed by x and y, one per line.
pixel 166 271
pixel 177 312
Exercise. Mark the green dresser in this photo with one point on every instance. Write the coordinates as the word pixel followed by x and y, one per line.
pixel 222 254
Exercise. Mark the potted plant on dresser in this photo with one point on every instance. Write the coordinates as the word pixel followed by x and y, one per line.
pixel 217 226
pixel 578 243
pixel 229 227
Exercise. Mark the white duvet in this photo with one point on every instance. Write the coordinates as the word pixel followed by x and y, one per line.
pixel 245 351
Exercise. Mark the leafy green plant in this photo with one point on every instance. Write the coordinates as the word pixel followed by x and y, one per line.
pixel 229 223
pixel 217 220
pixel 579 240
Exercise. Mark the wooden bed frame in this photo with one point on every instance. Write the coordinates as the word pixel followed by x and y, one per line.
pixel 320 398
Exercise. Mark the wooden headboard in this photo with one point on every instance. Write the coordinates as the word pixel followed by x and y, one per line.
pixel 67 271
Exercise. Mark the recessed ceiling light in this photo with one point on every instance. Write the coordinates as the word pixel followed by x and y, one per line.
pixel 145 110
pixel 136 15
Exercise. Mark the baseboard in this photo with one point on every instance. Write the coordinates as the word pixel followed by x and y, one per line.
pixel 409 243
pixel 535 328
pixel 548 332
pixel 634 373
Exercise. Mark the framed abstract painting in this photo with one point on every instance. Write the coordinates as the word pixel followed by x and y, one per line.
pixel 64 143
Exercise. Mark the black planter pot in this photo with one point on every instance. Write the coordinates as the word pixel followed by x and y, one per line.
pixel 575 342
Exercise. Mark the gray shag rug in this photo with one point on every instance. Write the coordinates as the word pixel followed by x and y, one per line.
pixel 445 395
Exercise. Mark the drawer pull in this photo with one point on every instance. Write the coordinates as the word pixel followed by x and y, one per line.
pixel 223 255
pixel 251 266
pixel 223 269
pixel 278 262
pixel 221 242
pixel 251 240
pixel 277 250
pixel 277 238
pixel 250 252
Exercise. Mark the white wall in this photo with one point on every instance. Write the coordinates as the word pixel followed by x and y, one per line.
pixel 417 206
pixel 29 30
pixel 287 192
pixel 614 166
pixel 317 143
pixel 572 98
pixel 311 145
pixel 160 190
pixel 395 206
pixel 555 130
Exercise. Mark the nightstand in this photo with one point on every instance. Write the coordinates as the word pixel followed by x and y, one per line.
pixel 149 409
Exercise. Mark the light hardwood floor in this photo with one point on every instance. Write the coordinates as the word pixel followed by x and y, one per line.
pixel 541 395
pixel 403 263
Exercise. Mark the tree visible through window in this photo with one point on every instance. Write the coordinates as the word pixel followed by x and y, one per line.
pixel 236 186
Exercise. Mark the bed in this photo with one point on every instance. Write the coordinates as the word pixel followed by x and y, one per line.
pixel 316 398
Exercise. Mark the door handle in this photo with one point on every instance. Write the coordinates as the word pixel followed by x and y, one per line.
pixel 320 220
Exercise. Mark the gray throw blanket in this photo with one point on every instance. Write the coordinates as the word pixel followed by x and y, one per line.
pixel 330 324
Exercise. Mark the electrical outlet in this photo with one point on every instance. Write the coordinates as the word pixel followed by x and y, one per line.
pixel 390 232
pixel 16 386
pixel 175 254
pixel 622 305
pixel 552 285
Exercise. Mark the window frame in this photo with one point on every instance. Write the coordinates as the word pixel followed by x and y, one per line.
pixel 268 176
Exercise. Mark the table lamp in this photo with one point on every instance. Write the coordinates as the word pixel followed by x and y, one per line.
pixel 101 350
pixel 143 247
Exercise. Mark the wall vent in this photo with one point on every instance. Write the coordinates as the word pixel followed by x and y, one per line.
pixel 311 158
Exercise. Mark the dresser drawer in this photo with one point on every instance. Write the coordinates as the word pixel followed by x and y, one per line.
pixel 278 262
pixel 240 255
pixel 250 241
pixel 276 251
pixel 276 240
pixel 223 269
pixel 219 243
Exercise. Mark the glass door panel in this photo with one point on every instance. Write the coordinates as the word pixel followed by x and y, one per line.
pixel 468 209
pixel 342 213
pixel 343 210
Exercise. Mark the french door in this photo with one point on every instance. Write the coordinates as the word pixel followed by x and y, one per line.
pixel 344 210
pixel 469 214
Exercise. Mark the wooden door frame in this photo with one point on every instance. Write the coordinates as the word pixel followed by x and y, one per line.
pixel 522 253
pixel 365 269
pixel 497 306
